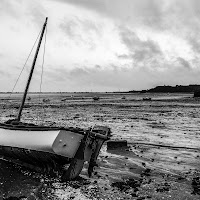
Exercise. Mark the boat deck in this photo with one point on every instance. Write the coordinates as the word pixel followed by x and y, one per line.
pixel 15 125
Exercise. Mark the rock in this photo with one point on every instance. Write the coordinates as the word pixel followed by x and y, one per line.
pixel 197 93
pixel 147 172
pixel 46 100
pixel 64 99
pixel 123 97
pixel 144 164
pixel 140 198
pixel 126 185
pixel 163 188
pixel 15 198
pixel 95 98
pixel 146 99
pixel 115 144
pixel 181 178
pixel 196 185
pixel 134 195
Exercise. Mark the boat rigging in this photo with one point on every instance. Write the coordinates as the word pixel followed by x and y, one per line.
pixel 50 148
pixel 31 72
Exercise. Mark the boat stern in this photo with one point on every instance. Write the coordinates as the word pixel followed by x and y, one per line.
pixel 67 143
pixel 88 150
pixel 97 136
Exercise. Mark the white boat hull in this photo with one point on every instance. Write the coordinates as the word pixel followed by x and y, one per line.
pixel 51 148
pixel 60 142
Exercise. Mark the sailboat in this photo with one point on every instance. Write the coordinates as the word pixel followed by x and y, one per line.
pixel 50 149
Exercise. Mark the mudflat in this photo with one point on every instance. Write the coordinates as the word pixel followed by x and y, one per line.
pixel 161 161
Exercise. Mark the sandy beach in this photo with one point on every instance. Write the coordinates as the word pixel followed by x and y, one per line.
pixel 161 161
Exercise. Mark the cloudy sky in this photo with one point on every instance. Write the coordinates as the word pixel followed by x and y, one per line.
pixel 101 45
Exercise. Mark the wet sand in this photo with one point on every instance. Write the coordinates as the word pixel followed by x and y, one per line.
pixel 162 160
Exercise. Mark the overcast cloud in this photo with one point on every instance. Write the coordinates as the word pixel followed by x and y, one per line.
pixel 101 45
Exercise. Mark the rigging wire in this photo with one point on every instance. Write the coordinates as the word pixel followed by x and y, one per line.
pixel 42 68
pixel 24 64
pixel 43 61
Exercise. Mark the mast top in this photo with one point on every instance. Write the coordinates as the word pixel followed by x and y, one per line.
pixel 32 69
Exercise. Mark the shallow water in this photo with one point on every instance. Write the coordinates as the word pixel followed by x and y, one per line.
pixel 163 134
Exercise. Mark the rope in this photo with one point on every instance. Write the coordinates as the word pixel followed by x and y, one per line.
pixel 24 64
pixel 165 146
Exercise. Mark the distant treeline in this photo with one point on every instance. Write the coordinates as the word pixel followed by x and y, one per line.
pixel 171 89
pixel 157 89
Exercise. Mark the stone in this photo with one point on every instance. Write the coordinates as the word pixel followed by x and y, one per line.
pixel 116 144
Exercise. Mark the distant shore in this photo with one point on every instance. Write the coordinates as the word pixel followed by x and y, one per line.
pixel 158 89
pixel 171 89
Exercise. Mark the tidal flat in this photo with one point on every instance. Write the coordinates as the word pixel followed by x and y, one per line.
pixel 162 160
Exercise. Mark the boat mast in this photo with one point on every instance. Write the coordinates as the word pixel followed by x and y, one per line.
pixel 31 72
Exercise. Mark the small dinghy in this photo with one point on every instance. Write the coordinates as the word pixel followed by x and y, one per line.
pixel 50 149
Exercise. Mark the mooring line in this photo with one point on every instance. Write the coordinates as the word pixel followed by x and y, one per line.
pixel 161 145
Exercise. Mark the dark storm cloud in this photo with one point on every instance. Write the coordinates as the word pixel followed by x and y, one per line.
pixel 97 66
pixel 145 10
pixel 74 27
pixel 182 18
pixel 170 41
pixel 194 41
pixel 150 13
pixel 79 72
pixel 37 13
pixel 184 63
pixel 113 77
pixel 177 16
pixel 70 26
pixel 139 50
pixel 94 4
pixel 97 76
pixel 61 73
pixel 8 8
pixel 34 9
